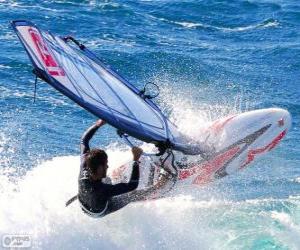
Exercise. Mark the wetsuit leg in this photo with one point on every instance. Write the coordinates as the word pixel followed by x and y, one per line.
pixel 123 200
pixel 118 202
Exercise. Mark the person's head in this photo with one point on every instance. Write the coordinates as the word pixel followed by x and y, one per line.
pixel 96 162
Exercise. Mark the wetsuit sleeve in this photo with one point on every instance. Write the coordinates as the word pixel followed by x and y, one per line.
pixel 86 137
pixel 133 183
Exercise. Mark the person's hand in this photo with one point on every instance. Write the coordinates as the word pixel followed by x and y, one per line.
pixel 100 123
pixel 137 152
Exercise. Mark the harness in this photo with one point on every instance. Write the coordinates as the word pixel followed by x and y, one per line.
pixel 85 210
pixel 91 214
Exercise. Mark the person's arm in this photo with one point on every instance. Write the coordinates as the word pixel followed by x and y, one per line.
pixel 133 183
pixel 87 136
pixel 140 195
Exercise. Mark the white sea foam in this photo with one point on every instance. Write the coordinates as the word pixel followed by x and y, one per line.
pixel 5 148
pixel 191 118
pixel 192 25
pixel 2 66
pixel 8 36
pixel 291 234
pixel 34 204
pixel 296 180
pixel 20 5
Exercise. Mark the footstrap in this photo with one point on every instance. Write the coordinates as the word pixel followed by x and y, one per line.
pixel 72 200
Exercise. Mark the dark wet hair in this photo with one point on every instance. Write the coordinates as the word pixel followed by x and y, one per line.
pixel 95 158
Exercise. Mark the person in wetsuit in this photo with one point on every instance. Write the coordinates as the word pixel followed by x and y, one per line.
pixel 96 197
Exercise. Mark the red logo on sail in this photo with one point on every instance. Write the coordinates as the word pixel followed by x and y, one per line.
pixel 52 66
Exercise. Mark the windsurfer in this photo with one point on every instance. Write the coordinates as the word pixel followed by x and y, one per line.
pixel 97 196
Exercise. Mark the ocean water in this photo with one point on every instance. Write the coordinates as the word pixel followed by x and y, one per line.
pixel 210 58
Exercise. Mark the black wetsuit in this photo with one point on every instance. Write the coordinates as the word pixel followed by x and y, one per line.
pixel 96 196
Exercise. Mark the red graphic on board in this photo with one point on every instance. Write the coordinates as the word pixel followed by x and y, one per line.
pixel 117 173
pixel 52 66
pixel 219 125
pixel 253 152
pixel 206 172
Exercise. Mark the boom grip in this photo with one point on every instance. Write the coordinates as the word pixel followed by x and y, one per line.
pixel 130 144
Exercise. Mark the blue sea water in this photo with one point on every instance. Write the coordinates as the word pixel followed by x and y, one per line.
pixel 209 58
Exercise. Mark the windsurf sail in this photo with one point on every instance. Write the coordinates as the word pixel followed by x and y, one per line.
pixel 78 74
